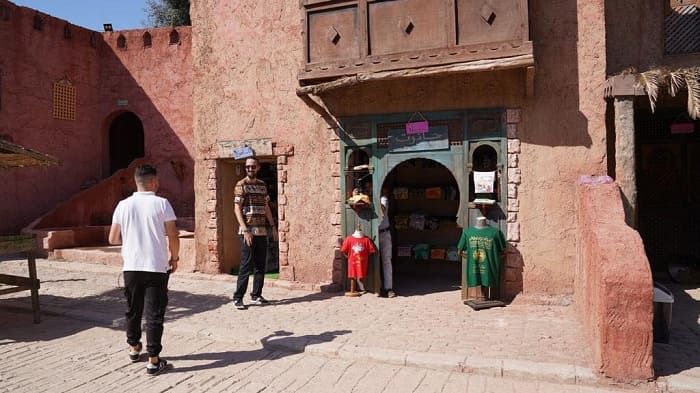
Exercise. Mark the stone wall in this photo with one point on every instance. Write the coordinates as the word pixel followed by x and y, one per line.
pixel 613 286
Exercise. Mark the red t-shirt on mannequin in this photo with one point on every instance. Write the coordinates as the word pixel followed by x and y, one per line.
pixel 357 248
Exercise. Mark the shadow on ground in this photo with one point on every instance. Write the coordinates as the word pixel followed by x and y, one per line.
pixel 682 352
pixel 275 346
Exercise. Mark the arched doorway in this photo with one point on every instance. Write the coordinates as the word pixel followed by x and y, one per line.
pixel 424 203
pixel 125 141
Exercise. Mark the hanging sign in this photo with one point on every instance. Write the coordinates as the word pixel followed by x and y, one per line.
pixel 437 138
pixel 242 152
pixel 683 128
pixel 417 127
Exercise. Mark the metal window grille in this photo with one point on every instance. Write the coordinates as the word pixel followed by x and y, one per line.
pixel 64 101
pixel 682 29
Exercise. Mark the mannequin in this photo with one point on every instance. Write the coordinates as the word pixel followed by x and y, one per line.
pixel 358 234
pixel 481 222
pixel 357 248
pixel 481 247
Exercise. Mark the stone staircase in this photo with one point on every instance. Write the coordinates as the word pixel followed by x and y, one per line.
pixel 111 255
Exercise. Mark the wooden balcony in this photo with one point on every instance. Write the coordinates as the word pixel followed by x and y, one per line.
pixel 345 38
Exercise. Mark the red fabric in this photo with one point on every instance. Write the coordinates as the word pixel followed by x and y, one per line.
pixel 357 251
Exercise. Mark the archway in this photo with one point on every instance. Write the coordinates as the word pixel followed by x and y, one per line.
pixel 424 203
pixel 125 141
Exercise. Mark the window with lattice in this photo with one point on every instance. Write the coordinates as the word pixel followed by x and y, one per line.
pixel 682 27
pixel 64 102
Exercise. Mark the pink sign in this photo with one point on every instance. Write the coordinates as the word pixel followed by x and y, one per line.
pixel 682 128
pixel 417 127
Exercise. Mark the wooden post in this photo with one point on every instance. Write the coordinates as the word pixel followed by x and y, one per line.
pixel 35 286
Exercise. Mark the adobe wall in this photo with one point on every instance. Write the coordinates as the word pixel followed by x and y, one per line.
pixel 31 61
pixel 246 56
pixel 156 83
pixel 245 76
pixel 635 32
pixel 613 284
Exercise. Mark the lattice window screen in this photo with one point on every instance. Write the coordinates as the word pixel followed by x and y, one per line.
pixel 64 100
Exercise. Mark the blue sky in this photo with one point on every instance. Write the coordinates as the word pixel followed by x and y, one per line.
pixel 122 14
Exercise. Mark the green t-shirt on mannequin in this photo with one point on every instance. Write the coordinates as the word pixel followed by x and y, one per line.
pixel 483 246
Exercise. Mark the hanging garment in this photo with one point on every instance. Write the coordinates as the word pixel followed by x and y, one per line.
pixel 483 247
pixel 483 182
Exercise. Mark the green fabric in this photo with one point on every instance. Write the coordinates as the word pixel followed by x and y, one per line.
pixel 483 247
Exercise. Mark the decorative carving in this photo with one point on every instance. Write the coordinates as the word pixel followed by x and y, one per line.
pixel 487 13
pixel 333 35
pixel 408 25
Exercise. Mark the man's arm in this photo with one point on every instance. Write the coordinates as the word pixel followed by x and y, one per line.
pixel 247 236
pixel 173 244
pixel 271 220
pixel 115 234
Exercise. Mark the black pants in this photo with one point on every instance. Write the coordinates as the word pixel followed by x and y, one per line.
pixel 150 290
pixel 253 257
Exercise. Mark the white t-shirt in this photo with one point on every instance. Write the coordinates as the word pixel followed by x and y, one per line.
pixel 142 218
pixel 384 201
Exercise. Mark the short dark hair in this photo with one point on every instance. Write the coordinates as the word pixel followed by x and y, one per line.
pixel 145 173
pixel 253 158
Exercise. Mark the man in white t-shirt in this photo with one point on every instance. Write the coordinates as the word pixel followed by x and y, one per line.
pixel 140 224
pixel 385 243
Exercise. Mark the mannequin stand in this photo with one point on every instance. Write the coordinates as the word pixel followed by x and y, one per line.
pixel 352 292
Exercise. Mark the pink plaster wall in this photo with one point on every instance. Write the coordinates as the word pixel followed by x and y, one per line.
pixel 244 80
pixel 157 83
pixel 31 62
pixel 613 285
pixel 246 56
pixel 635 34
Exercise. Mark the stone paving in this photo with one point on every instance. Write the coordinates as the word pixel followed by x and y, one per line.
pixel 534 339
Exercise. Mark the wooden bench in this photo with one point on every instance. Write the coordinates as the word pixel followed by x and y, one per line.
pixel 25 244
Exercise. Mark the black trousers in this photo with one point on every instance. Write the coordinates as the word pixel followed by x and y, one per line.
pixel 253 257
pixel 149 291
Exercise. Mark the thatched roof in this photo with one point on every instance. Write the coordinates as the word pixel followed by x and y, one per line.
pixel 16 156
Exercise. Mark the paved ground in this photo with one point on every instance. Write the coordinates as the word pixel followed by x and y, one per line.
pixel 304 341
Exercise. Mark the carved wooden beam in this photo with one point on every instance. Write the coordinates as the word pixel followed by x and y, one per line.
pixel 471 66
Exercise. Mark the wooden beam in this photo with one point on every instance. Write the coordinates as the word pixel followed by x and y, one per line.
pixel 467 67
pixel 24 282
pixel 530 81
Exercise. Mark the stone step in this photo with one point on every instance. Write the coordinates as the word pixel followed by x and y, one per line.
pixel 104 255
pixel 111 255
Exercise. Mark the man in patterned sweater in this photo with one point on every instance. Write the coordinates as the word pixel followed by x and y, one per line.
pixel 252 209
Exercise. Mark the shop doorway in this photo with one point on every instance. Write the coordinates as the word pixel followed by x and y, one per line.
pixel 125 141
pixel 668 185
pixel 231 171
pixel 424 203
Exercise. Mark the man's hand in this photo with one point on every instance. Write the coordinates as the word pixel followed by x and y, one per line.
pixel 173 264
pixel 248 238
pixel 275 235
